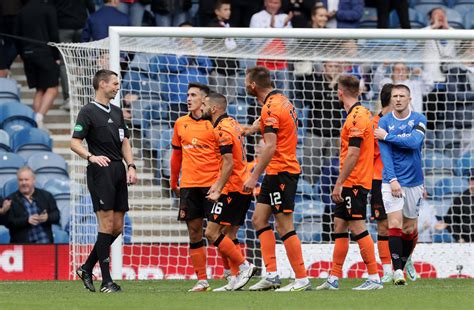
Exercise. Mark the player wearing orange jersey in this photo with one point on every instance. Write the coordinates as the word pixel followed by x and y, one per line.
pixel 376 201
pixel 278 125
pixel 352 186
pixel 230 203
pixel 194 154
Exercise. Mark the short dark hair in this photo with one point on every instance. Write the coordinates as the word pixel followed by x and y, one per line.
pixel 202 87
pixel 316 7
pixel 218 99
pixel 220 3
pixel 102 75
pixel 401 86
pixel 386 94
pixel 350 84
pixel 261 76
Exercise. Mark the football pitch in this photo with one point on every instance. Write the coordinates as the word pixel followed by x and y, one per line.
pixel 171 294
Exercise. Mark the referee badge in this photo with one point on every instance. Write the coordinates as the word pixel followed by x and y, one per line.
pixel 121 134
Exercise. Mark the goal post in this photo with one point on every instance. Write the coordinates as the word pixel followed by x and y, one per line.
pixel 156 64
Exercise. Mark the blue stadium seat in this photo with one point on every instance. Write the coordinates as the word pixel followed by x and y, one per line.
pixel 457 2
pixel 424 9
pixel 9 90
pixel 15 116
pixel 450 186
pixel 436 163
pixel 148 111
pixel 10 187
pixel 43 178
pixel 305 190
pixel 430 2
pixel 64 207
pixel 10 163
pixel 369 18
pixel 466 163
pixel 469 20
pixel 417 20
pixel 47 162
pixel 58 188
pixel 59 235
pixel 4 141
pixel 27 141
pixel 4 235
pixel 238 111
pixel 455 19
pixel 464 8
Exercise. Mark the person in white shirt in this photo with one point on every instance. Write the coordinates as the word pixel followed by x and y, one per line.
pixel 271 17
pixel 419 82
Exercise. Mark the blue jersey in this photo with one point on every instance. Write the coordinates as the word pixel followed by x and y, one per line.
pixel 401 148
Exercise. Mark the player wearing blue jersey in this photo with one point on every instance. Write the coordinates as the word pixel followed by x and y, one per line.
pixel 401 134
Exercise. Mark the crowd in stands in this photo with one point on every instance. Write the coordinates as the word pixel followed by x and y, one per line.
pixel 154 86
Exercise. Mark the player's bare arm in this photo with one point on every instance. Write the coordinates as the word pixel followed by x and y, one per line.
pixel 226 170
pixel 79 149
pixel 128 156
pixel 349 164
pixel 267 153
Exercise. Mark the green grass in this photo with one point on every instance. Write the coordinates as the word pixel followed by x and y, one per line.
pixel 422 294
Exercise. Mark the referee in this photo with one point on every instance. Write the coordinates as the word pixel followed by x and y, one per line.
pixel 107 136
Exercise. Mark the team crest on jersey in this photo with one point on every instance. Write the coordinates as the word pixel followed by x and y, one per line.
pixel 411 123
pixel 402 127
pixel 194 141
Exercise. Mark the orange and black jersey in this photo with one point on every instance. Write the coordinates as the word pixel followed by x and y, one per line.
pixel 358 132
pixel 279 116
pixel 200 162
pixel 229 136
pixel 378 164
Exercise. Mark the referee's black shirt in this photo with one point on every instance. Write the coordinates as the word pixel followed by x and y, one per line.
pixel 103 128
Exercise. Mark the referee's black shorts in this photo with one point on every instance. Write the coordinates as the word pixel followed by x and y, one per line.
pixel 108 186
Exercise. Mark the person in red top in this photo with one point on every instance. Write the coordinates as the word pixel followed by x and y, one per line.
pixel 230 203
pixel 278 125
pixel 194 154
pixel 376 202
pixel 352 186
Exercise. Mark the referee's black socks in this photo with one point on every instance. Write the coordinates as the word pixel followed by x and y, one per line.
pixel 93 258
pixel 103 253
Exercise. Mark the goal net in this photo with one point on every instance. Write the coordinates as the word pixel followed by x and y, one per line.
pixel 156 65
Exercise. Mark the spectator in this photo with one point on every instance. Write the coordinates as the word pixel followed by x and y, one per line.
pixel 37 20
pixel 206 12
pixel 460 217
pixel 97 25
pixel 72 16
pixel 344 13
pixel 419 82
pixel 243 10
pixel 8 14
pixel 318 95
pixel 430 229
pixel 224 77
pixel 271 18
pixel 436 50
pixel 170 12
pixel 384 7
pixel 134 9
pixel 32 211
pixel 319 18
pixel 300 12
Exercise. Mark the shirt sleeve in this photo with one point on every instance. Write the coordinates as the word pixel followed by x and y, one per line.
pixel 358 127
pixel 224 140
pixel 176 140
pixel 412 140
pixel 270 120
pixel 83 124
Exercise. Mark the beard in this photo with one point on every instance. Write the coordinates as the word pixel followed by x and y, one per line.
pixel 206 115
pixel 340 104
